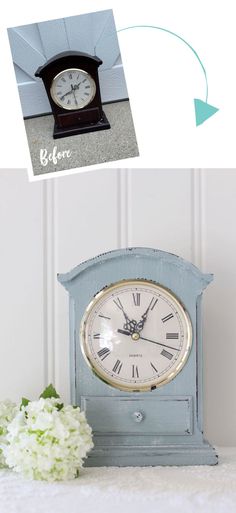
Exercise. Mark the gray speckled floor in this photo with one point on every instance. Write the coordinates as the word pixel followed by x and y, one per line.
pixel 86 149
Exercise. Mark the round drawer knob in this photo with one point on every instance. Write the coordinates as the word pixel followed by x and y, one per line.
pixel 138 416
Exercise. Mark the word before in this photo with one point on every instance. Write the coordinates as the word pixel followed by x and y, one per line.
pixel 54 156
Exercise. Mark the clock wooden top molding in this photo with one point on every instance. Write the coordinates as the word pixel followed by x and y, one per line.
pixel 72 85
pixel 140 256
pixel 151 299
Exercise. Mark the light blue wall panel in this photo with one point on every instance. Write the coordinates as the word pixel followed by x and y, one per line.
pixel 32 45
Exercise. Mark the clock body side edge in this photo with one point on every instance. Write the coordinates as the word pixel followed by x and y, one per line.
pixel 189 448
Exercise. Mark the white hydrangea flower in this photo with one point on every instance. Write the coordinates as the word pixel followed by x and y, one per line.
pixel 45 442
pixel 8 410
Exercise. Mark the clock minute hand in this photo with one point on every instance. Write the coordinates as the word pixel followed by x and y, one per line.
pixel 159 343
pixel 124 332
pixel 141 323
pixel 66 94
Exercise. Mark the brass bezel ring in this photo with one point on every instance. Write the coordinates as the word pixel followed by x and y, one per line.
pixel 174 299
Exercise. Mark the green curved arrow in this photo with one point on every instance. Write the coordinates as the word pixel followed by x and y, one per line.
pixel 203 110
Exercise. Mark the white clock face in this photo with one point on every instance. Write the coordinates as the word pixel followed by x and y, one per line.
pixel 136 335
pixel 73 89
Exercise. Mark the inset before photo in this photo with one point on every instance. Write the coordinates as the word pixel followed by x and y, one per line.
pixel 73 92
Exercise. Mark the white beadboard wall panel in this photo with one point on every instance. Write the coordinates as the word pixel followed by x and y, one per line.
pixel 49 280
pixel 22 327
pixel 86 216
pixel 197 217
pixel 219 257
pixel 50 226
pixel 159 212
pixel 86 224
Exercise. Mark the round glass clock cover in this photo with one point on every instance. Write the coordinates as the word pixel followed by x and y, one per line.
pixel 136 335
pixel 73 89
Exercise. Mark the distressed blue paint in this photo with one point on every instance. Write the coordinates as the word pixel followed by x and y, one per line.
pixel 171 430
pixel 158 421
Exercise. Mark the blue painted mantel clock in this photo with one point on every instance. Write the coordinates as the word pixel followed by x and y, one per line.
pixel 136 357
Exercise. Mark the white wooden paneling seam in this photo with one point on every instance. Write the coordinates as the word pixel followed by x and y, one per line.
pixel 49 281
pixel 122 206
pixel 196 216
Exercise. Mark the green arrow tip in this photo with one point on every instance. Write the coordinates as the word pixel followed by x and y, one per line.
pixel 203 111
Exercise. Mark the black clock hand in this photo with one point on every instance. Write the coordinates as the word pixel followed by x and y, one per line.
pixel 66 94
pixel 76 86
pixel 159 343
pixel 124 332
pixel 141 323
pixel 129 325
pixel 73 91
pixel 73 88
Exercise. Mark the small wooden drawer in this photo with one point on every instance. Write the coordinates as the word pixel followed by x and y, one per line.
pixel 120 415
pixel 83 116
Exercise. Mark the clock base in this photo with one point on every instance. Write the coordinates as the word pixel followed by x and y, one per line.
pixel 102 124
pixel 164 455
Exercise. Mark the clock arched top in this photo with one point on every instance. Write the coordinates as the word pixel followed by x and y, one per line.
pixel 135 259
pixel 85 58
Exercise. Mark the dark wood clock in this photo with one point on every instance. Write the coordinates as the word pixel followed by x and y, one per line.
pixel 72 85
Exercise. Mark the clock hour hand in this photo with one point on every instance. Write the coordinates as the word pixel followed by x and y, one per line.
pixel 129 325
pixel 76 86
pixel 124 332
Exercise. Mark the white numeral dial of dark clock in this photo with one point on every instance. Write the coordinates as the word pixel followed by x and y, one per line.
pixel 136 335
pixel 73 89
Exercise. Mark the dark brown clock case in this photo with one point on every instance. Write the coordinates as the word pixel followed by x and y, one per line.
pixel 73 122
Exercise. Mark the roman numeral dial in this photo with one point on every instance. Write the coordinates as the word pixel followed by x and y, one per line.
pixel 136 335
pixel 135 371
pixel 73 89
pixel 136 298
pixel 167 317
pixel 153 367
pixel 103 353
pixel 117 367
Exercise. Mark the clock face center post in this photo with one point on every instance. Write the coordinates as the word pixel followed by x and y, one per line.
pixel 135 336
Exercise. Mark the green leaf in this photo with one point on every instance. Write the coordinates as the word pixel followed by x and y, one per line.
pixel 59 406
pixel 24 402
pixel 49 392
